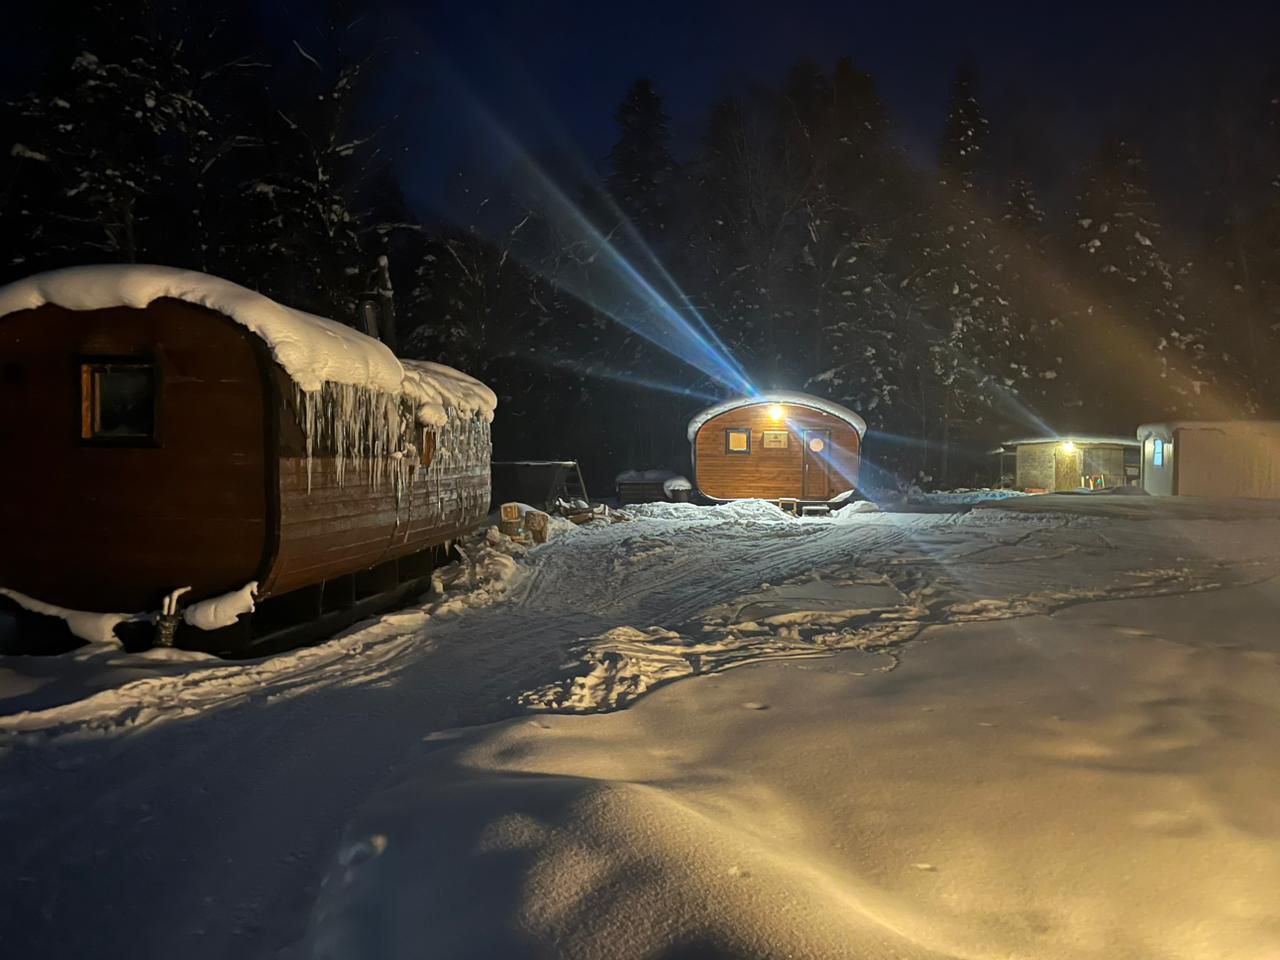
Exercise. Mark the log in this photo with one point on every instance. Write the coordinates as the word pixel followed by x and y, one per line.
pixel 537 523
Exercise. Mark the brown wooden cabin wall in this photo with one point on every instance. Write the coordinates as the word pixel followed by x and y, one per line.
pixel 220 500
pixel 113 528
pixel 772 473
pixel 331 526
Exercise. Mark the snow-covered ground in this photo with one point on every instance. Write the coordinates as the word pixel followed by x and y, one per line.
pixel 1044 727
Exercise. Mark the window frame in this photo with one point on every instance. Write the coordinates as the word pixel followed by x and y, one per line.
pixel 729 432
pixel 90 364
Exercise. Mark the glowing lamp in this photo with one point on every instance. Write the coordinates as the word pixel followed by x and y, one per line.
pixel 775 412
pixel 1067 447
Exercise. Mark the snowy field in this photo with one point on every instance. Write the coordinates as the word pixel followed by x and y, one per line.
pixel 1040 727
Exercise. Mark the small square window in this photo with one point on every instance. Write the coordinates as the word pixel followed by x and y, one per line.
pixel 1157 453
pixel 737 440
pixel 118 402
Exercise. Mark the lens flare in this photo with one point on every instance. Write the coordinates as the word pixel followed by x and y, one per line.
pixel 598 371
pixel 613 285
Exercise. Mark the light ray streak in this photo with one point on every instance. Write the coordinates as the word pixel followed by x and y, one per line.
pixel 598 371
pixel 615 287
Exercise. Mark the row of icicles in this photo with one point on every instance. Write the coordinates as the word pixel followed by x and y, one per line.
pixel 381 432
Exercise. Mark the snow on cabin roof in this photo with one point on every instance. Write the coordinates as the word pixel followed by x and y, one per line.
pixel 1167 428
pixel 312 350
pixel 780 396
pixel 1080 438
pixel 435 387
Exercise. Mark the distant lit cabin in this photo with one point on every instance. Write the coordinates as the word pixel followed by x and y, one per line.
pixel 1046 464
pixel 776 446
pixel 165 429
pixel 1234 458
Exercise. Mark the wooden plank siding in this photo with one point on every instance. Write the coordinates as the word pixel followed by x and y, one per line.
pixel 114 527
pixel 771 473
pixel 330 527
pixel 1225 463
pixel 441 509
pixel 335 529
pixel 221 498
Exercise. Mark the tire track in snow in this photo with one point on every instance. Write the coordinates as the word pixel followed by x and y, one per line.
pixel 622 664
pixel 725 561
pixel 219 826
pixel 651 573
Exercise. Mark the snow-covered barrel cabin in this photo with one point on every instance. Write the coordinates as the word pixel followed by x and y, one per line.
pixel 776 446
pixel 163 429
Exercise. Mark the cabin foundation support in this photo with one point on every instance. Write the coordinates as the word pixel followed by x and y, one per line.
pixel 376 580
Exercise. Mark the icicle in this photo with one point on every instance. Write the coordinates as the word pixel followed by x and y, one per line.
pixel 306 403
pixel 380 433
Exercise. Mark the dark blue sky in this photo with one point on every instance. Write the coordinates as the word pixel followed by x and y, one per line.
pixel 553 72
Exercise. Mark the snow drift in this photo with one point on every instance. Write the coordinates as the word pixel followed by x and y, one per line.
pixel 1065 788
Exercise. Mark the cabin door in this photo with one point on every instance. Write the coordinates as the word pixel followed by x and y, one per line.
pixel 1066 470
pixel 817 464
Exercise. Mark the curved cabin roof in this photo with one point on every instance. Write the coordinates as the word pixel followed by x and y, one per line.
pixel 312 350
pixel 783 397
pixel 1166 430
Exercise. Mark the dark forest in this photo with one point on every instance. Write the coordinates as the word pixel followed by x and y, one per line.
pixel 954 300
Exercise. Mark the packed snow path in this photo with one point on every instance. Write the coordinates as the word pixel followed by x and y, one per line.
pixel 155 808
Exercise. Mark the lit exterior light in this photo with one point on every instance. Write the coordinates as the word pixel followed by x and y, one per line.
pixel 775 412
pixel 1067 447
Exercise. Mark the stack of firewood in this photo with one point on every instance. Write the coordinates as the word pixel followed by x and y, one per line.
pixel 533 526
pixel 522 525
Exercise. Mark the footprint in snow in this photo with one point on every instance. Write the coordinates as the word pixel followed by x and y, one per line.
pixel 362 850
pixel 436 735
pixel 925 867
pixel 753 705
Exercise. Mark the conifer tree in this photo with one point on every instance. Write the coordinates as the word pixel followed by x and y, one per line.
pixel 641 165
pixel 869 325
pixel 973 352
pixel 1040 293
pixel 98 153
pixel 640 185
pixel 965 135
pixel 1151 351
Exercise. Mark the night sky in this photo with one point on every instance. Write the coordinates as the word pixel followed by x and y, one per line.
pixel 552 73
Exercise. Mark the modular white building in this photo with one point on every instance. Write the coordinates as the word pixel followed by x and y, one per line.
pixel 1202 458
